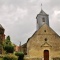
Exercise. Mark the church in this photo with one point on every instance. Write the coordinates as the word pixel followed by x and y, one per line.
pixel 44 44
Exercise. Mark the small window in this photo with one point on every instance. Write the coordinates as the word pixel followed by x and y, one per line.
pixel 43 19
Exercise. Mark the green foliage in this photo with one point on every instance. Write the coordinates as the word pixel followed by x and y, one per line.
pixel 6 58
pixel 8 46
pixel 9 49
pixel 8 38
pixel 10 57
pixel 7 41
pixel 19 54
pixel 1 58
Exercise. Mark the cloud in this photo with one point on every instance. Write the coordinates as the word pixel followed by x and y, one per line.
pixel 55 21
pixel 11 18
pixel 40 1
pixel 18 17
pixel 11 13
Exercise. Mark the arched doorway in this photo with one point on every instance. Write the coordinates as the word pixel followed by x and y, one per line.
pixel 46 55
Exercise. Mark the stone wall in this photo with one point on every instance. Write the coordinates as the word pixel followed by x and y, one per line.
pixel 31 58
pixel 44 40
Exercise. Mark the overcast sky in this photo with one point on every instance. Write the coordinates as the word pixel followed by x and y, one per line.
pixel 18 17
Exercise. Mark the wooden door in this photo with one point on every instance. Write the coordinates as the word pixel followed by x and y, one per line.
pixel 46 55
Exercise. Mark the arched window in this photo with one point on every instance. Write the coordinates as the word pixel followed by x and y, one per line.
pixel 43 19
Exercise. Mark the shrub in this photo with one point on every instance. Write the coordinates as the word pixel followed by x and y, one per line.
pixel 10 57
pixel 9 49
pixel 8 46
pixel 6 58
pixel 20 54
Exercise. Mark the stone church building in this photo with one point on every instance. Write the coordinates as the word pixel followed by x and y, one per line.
pixel 44 44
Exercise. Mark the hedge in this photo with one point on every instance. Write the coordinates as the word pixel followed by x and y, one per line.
pixel 10 57
pixel 20 55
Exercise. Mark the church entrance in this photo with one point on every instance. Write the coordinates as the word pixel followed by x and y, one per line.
pixel 46 55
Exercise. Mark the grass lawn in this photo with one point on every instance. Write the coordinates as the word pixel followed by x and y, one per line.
pixel 1 58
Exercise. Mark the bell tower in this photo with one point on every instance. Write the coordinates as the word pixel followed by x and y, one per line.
pixel 42 18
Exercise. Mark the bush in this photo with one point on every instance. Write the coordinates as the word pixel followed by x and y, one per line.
pixel 7 58
pixel 9 49
pixel 10 57
pixel 1 58
pixel 20 54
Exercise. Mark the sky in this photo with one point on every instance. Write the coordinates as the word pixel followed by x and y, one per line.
pixel 18 17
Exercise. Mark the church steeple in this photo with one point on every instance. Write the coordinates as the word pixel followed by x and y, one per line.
pixel 42 18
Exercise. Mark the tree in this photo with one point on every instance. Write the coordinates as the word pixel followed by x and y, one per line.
pixel 8 46
pixel 8 38
pixel 9 49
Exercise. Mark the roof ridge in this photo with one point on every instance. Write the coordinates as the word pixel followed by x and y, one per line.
pixel 42 12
